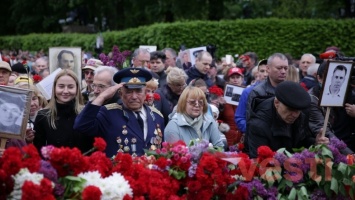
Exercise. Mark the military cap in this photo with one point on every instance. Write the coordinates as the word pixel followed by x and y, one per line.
pixel 133 77
pixel 292 95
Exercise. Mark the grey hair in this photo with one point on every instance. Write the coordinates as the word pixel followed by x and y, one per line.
pixel 172 51
pixel 111 70
pixel 175 75
pixel 138 51
pixel 312 69
pixel 311 56
pixel 276 55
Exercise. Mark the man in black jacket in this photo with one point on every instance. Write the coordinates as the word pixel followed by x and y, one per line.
pixel 278 122
pixel 201 68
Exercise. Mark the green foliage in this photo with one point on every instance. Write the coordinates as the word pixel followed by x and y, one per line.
pixel 263 36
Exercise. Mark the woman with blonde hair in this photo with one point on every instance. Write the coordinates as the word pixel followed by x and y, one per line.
pixel 292 74
pixel 190 121
pixel 54 124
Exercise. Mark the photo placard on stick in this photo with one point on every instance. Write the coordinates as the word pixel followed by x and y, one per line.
pixel 335 83
pixel 15 106
pixel 232 94
pixel 65 58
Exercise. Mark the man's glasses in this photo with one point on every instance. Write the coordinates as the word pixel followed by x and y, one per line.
pixel 99 87
pixel 89 72
pixel 199 103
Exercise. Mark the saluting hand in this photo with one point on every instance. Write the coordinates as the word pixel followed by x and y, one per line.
pixel 107 94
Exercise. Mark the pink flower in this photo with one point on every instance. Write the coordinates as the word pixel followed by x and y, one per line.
pixel 46 151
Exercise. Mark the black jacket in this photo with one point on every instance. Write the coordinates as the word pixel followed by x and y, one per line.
pixel 168 100
pixel 264 89
pixel 265 127
pixel 316 117
pixel 193 73
pixel 64 135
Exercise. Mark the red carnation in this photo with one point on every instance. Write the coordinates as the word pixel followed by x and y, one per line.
pixel 37 78
pixel 161 162
pixel 33 191
pixel 265 152
pixel 91 193
pixel 242 192
pixel 100 144
pixel 216 90
pixel 156 97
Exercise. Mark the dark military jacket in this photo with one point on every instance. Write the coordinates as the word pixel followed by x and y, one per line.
pixel 119 127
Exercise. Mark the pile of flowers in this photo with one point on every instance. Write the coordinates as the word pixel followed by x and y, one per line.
pixel 177 171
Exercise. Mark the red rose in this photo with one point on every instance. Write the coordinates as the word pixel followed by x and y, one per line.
pixel 100 144
pixel 91 193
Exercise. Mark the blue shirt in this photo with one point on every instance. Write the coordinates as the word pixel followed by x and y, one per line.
pixel 240 113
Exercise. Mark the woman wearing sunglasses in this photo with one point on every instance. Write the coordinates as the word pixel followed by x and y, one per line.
pixel 190 121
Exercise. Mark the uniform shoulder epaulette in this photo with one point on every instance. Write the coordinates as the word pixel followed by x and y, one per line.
pixel 113 106
pixel 156 111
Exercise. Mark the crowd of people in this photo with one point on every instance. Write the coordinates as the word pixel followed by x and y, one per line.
pixel 163 98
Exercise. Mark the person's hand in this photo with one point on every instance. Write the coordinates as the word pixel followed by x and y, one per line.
pixel 107 94
pixel 321 139
pixel 30 135
pixel 1 152
pixel 350 109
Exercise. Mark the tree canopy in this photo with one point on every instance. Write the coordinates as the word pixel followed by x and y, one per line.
pixel 49 16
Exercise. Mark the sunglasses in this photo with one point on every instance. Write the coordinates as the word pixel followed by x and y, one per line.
pixel 199 103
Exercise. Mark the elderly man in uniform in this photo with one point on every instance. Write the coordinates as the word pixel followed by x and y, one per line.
pixel 129 127
pixel 278 122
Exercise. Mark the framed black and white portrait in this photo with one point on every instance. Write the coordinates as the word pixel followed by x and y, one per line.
pixel 232 94
pixel 335 83
pixel 14 108
pixel 65 58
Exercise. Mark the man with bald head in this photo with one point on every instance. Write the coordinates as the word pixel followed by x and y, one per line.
pixel 201 68
pixel 306 61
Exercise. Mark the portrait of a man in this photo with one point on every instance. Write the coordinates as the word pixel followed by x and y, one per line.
pixel 336 84
pixel 65 58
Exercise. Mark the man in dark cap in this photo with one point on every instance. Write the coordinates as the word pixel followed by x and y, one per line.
pixel 278 122
pixel 129 127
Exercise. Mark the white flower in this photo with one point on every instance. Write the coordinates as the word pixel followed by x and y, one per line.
pixel 112 187
pixel 20 178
